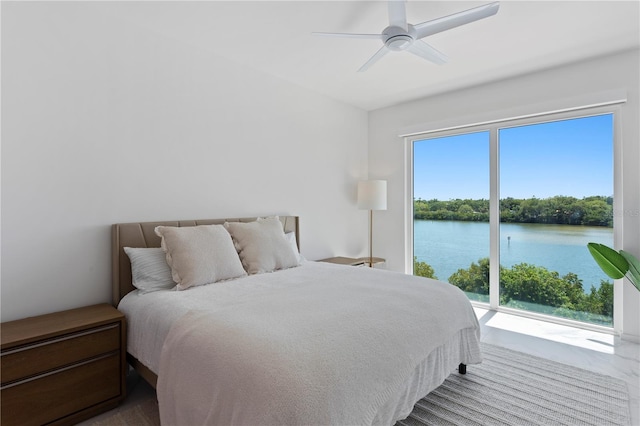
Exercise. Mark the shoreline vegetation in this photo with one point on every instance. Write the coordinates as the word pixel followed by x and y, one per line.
pixel 596 210
pixel 533 288
pixel 526 286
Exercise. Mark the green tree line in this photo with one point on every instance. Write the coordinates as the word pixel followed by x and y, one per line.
pixel 562 210
pixel 534 288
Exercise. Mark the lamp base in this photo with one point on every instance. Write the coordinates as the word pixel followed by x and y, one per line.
pixel 371 261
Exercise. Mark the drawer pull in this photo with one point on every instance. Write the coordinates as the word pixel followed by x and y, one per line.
pixel 59 339
pixel 59 370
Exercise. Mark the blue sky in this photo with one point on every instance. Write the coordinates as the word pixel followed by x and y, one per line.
pixel 570 157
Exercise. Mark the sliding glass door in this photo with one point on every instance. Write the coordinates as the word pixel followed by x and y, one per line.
pixel 556 195
pixel 552 187
pixel 451 211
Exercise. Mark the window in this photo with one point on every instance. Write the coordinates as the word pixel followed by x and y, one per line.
pixel 505 212
pixel 451 210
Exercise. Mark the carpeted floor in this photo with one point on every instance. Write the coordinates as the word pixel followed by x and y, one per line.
pixel 144 413
pixel 508 388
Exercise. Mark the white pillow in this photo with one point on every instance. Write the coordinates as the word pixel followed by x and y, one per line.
pixel 199 255
pixel 291 237
pixel 149 269
pixel 262 245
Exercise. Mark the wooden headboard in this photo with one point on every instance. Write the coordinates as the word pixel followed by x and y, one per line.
pixel 141 234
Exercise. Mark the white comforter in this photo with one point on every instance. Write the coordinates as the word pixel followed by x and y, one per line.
pixel 316 344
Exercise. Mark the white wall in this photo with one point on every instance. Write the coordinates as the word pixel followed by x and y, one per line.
pixel 103 122
pixel 387 160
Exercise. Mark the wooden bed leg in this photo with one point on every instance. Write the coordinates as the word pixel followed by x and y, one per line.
pixel 462 368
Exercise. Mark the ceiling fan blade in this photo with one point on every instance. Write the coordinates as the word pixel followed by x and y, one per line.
pixel 379 54
pixel 425 51
pixel 397 14
pixel 349 35
pixel 455 20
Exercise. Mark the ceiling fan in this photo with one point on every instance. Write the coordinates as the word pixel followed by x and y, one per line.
pixel 400 35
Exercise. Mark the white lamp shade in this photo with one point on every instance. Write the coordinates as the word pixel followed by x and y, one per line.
pixel 372 195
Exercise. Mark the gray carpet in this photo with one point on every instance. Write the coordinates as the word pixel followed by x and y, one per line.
pixel 508 388
pixel 513 388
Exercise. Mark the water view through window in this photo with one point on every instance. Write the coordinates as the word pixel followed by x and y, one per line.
pixel 555 195
pixel 446 242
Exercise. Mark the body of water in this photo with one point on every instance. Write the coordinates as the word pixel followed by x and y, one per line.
pixel 451 245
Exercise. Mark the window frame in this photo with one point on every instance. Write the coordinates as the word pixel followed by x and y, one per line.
pixel 493 128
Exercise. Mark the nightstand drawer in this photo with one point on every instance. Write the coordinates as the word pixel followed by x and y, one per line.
pixel 29 360
pixel 51 396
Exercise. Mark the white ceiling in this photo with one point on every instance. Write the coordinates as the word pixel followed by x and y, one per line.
pixel 275 37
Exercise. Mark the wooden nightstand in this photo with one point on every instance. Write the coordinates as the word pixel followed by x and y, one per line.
pixel 375 260
pixel 343 261
pixel 62 368
pixel 352 261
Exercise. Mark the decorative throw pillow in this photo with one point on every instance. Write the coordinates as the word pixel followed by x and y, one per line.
pixel 199 255
pixel 262 245
pixel 149 269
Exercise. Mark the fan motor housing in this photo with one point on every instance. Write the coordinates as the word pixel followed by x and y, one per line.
pixel 397 38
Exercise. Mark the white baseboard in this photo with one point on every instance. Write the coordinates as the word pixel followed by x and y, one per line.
pixel 630 337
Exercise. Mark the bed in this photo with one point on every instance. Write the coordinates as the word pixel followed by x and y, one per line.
pixel 310 343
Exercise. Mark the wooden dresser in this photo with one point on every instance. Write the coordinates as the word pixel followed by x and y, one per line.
pixel 62 368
